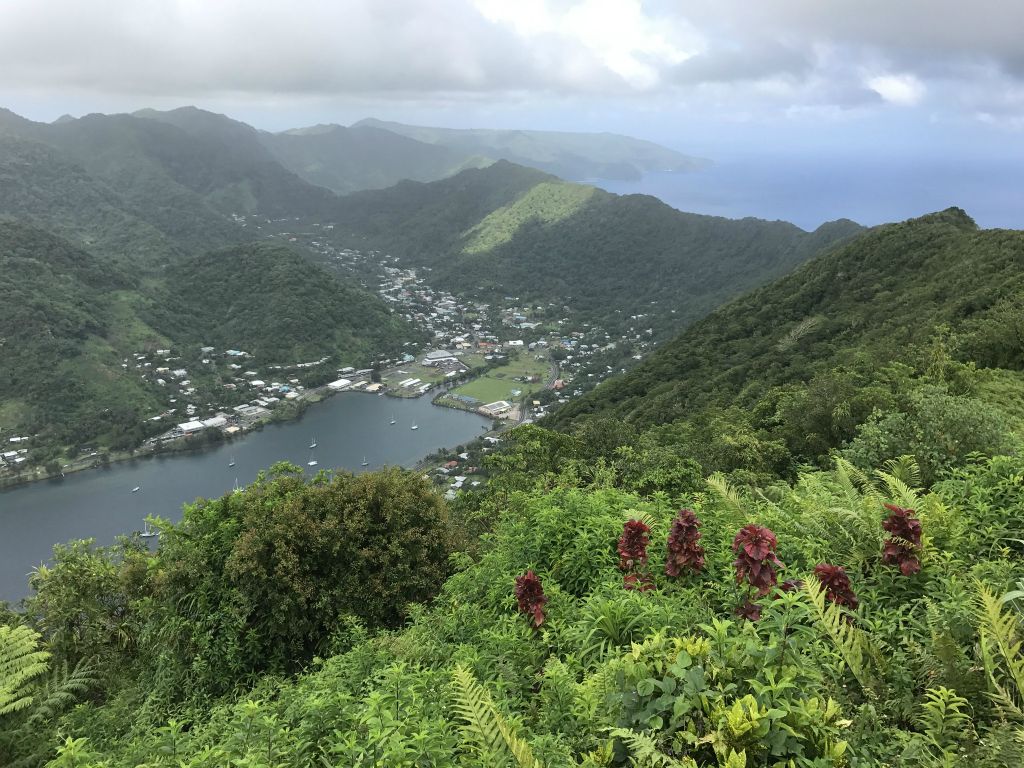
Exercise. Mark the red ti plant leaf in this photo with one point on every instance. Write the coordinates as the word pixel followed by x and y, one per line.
pixel 531 597
pixel 684 551
pixel 633 545
pixel 904 543
pixel 749 611
pixel 756 562
pixel 837 584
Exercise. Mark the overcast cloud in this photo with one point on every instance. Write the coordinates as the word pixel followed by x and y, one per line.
pixel 959 59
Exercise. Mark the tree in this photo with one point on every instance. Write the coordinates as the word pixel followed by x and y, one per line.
pixel 259 580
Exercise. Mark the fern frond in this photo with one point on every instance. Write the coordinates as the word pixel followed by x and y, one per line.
pixel 644 752
pixel 63 689
pixel 943 718
pixel 896 482
pixel 1000 642
pixel 22 663
pixel 484 724
pixel 853 645
pixel 720 486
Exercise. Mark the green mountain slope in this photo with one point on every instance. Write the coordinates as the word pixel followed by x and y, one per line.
pixel 363 157
pixel 226 162
pixel 873 299
pixel 61 378
pixel 40 184
pixel 513 230
pixel 576 156
pixel 272 302
pixel 70 322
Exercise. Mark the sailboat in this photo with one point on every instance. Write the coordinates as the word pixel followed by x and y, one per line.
pixel 148 533
pixel 365 462
pixel 236 488
pixel 232 462
pixel 312 460
pixel 136 489
pixel 414 426
pixel 313 443
pixel 392 418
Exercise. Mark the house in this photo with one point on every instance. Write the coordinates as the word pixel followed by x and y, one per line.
pixel 340 384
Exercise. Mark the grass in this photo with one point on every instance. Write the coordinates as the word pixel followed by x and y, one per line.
pixel 498 383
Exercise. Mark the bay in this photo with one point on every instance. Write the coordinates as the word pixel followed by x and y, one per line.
pixel 100 504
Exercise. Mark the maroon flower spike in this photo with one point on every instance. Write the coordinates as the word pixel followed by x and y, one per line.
pixel 837 584
pixel 904 542
pixel 633 545
pixel 749 611
pixel 531 597
pixel 756 560
pixel 683 549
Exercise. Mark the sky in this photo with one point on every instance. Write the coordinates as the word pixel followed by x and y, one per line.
pixel 924 80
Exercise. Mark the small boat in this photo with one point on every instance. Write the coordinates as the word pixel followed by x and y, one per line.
pixel 136 489
pixel 392 418
pixel 236 488
pixel 312 460
pixel 312 444
pixel 414 426
pixel 232 462
pixel 365 462
pixel 148 533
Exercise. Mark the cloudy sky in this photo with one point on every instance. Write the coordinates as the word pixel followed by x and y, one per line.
pixel 714 77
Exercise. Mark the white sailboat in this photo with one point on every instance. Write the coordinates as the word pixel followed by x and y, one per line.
pixel 313 443
pixel 312 460
pixel 392 418
pixel 148 533
pixel 232 462
pixel 414 426
pixel 365 462
pixel 136 489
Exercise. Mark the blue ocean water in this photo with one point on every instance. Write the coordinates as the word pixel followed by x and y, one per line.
pixel 809 191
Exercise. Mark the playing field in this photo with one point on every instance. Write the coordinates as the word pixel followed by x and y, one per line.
pixel 498 383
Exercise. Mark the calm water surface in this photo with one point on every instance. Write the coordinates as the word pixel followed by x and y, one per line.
pixel 99 503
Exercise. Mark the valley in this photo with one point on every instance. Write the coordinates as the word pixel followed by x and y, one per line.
pixel 480 461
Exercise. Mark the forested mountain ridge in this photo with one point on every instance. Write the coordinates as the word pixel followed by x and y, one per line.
pixel 70 322
pixel 40 184
pixel 879 295
pixel 363 157
pixel 506 229
pixel 60 318
pixel 574 156
pixel 271 301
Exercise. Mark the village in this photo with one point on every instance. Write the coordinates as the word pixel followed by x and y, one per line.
pixel 507 360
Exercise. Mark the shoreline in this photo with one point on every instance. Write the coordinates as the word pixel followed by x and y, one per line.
pixel 182 446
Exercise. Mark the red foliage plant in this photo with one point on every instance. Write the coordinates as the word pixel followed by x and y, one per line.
pixel 683 549
pixel 749 611
pixel 531 597
pixel 904 542
pixel 754 546
pixel 836 583
pixel 633 545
